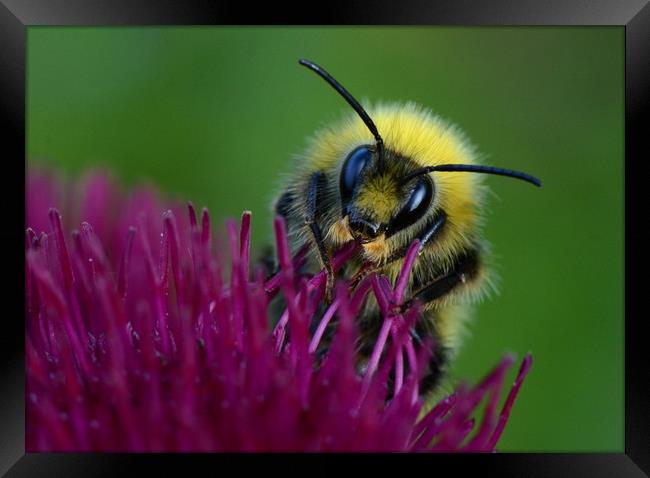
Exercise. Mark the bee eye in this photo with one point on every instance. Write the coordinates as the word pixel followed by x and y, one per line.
pixel 351 171
pixel 416 206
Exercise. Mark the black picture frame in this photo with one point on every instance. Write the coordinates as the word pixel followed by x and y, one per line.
pixel 17 15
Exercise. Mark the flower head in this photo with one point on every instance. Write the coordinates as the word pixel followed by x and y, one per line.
pixel 140 336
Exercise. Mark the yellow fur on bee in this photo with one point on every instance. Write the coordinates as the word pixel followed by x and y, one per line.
pixel 380 196
pixel 376 250
pixel 339 232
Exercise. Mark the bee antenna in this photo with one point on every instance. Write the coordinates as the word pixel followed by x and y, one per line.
pixel 351 101
pixel 473 168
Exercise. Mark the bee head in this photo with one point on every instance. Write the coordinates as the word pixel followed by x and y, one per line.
pixel 375 199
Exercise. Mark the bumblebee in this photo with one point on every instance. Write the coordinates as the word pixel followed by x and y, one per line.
pixel 383 177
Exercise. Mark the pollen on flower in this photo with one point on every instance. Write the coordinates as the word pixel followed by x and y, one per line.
pixel 145 333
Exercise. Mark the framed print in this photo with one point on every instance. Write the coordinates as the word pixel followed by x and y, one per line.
pixel 370 233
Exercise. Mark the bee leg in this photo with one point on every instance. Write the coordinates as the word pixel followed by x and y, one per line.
pixel 426 235
pixel 464 269
pixel 365 270
pixel 316 183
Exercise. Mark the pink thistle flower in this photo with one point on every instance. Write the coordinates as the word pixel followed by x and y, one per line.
pixel 139 339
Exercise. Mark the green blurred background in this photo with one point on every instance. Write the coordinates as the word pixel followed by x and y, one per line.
pixel 213 115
